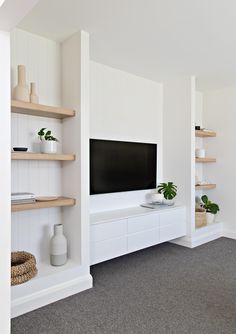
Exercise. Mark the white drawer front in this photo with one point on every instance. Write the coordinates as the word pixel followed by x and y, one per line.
pixel 143 223
pixel 108 249
pixel 142 240
pixel 100 232
pixel 170 232
pixel 172 217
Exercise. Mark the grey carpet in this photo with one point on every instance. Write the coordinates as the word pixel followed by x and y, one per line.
pixel 165 289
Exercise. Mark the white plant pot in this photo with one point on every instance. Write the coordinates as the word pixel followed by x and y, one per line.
pixel 49 146
pixel 168 201
pixel 210 217
pixel 157 198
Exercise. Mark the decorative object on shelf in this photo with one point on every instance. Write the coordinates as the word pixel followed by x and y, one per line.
pixel 200 217
pixel 156 197
pixel 58 247
pixel 20 149
pixel 48 141
pixel 21 91
pixel 169 191
pixel 197 127
pixel 23 267
pixel 211 209
pixel 33 96
pixel 200 153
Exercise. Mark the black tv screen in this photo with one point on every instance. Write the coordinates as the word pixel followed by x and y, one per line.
pixel 117 166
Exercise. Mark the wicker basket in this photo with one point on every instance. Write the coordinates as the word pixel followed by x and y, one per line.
pixel 23 267
pixel 200 217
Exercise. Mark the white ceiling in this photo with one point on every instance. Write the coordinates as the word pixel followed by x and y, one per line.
pixel 156 39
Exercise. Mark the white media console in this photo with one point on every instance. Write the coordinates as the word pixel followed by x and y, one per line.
pixel 119 232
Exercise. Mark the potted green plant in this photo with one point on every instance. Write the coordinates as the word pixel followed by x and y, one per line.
pixel 211 209
pixel 48 141
pixel 169 191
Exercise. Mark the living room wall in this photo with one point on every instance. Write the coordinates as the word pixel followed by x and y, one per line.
pixel 124 107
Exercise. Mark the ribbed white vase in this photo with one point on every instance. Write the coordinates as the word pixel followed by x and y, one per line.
pixel 58 246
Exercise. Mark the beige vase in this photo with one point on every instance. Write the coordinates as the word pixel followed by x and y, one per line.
pixel 33 96
pixel 21 91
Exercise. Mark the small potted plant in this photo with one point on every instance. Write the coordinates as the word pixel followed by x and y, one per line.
pixel 169 191
pixel 48 141
pixel 211 209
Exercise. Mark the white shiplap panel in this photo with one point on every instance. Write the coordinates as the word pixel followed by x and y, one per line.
pixel 31 230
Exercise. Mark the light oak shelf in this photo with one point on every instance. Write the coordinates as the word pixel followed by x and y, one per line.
pixel 41 156
pixel 205 160
pixel 202 133
pixel 61 201
pixel 27 108
pixel 205 187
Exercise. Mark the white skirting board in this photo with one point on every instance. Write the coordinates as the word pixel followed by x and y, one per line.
pixel 201 236
pixel 229 234
pixel 50 295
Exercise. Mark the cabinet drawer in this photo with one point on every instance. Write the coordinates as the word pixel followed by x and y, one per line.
pixel 108 249
pixel 172 217
pixel 142 240
pixel 100 232
pixel 170 232
pixel 143 223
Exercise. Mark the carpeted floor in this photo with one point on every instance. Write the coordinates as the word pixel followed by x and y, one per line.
pixel 165 289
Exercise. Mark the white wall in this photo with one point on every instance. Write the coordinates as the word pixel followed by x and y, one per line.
pixel 219 114
pixel 42 59
pixel 178 140
pixel 124 107
pixel 5 211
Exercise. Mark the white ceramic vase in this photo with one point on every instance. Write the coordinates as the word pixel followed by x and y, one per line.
pixel 33 96
pixel 200 153
pixel 210 217
pixel 58 247
pixel 21 91
pixel 49 146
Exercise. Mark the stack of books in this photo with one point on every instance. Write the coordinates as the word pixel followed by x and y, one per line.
pixel 22 198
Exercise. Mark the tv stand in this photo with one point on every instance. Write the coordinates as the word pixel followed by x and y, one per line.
pixel 119 232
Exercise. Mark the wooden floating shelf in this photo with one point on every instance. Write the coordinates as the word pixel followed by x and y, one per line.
pixel 205 187
pixel 27 108
pixel 61 201
pixel 42 156
pixel 205 159
pixel 202 133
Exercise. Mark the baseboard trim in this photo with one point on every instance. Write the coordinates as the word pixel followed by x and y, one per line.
pixel 229 234
pixel 201 236
pixel 50 295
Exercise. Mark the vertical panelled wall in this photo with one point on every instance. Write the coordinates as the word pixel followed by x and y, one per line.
pixel 219 114
pixel 75 95
pixel 178 141
pixel 31 230
pixel 128 108
pixel 5 213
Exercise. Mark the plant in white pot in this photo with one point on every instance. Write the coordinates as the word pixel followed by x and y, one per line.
pixel 169 191
pixel 48 141
pixel 211 209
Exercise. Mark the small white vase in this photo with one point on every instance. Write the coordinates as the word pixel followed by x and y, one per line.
pixel 33 96
pixel 58 247
pixel 21 91
pixel 200 153
pixel 49 146
pixel 157 198
pixel 210 217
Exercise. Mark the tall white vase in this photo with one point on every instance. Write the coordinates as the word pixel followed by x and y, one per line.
pixel 58 247
pixel 21 91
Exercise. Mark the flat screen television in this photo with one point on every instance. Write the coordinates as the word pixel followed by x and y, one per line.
pixel 117 166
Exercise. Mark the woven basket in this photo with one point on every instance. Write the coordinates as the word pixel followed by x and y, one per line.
pixel 200 217
pixel 23 267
